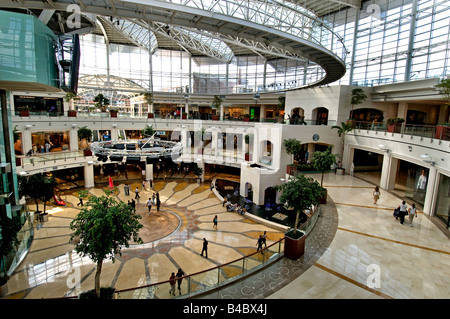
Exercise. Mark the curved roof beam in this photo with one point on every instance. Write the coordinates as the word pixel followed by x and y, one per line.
pixel 286 27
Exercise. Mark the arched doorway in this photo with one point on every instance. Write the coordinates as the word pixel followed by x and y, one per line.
pixel 297 116
pixel 320 115
pixel 265 154
pixel 270 196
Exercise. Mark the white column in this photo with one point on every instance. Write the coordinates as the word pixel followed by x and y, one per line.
pixel 26 141
pixel 73 139
pixel 388 172
pixel 221 111
pixel 431 187
pixel 89 175
pixel 114 134
pixel 148 172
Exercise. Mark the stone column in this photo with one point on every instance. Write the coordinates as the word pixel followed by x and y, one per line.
pixel 431 188
pixel 89 175
pixel 26 141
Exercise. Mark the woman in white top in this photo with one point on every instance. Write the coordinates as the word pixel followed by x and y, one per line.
pixel 412 213
pixel 376 194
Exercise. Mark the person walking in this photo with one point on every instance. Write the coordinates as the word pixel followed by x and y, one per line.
pixel 376 194
pixel 215 222
pixel 126 189
pixel 412 213
pixel 133 205
pixel 143 185
pixel 205 247
pixel 403 211
pixel 180 275
pixel 149 205
pixel 172 281
pixel 81 201
pixel 158 202
pixel 137 193
pixel 264 236
pixel 259 244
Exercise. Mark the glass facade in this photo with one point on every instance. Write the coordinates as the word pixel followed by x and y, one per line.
pixel 442 209
pixel 395 41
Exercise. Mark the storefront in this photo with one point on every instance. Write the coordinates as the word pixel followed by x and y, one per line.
pixel 442 208
pixel 39 105
pixel 44 142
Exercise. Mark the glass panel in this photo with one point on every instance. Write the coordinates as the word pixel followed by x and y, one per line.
pixel 442 210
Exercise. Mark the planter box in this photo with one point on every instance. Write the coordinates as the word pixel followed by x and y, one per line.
pixel 150 115
pixel 215 117
pixel 183 116
pixel 443 132
pixel 323 200
pixel 394 128
pixel 113 114
pixel 246 119
pixel 24 113
pixel 72 113
pixel 294 248
pixel 291 169
pixel 340 171
pixel 87 153
pixel 248 157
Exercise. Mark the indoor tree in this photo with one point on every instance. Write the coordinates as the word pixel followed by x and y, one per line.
pixel 322 161
pixel 342 130
pixel 148 131
pixel 31 187
pixel 444 87
pixel 300 193
pixel 102 228
pixel 8 240
pixel 293 147
pixel 358 96
pixel 101 102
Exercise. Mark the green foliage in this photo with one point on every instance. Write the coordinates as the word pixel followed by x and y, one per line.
pixel 343 129
pixel 322 161
pixel 198 171
pixel 84 133
pixel 102 228
pixel 247 138
pixel 148 97
pixel 217 101
pixel 300 193
pixel 8 236
pixel 358 96
pixel 37 187
pixel 105 293
pixel 395 120
pixel 101 102
pixel 148 131
pixel 69 96
pixel 444 88
pixel 293 147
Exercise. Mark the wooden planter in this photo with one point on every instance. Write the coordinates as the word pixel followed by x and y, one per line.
pixel 215 117
pixel 150 115
pixel 291 169
pixel 294 248
pixel 394 128
pixel 183 116
pixel 87 153
pixel 340 171
pixel 246 119
pixel 113 114
pixel 72 113
pixel 24 113
pixel 443 132
pixel 248 157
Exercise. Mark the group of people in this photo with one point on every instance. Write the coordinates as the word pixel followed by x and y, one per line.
pixel 233 207
pixel 402 210
pixel 173 280
pixel 154 200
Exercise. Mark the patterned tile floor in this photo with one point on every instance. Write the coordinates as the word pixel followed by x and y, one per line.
pixel 356 250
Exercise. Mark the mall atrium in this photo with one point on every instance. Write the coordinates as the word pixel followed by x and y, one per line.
pixel 193 101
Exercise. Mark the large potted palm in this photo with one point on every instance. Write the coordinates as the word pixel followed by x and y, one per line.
pixel 299 194
pixel 85 135
pixel 293 147
pixel 342 130
pixel 322 162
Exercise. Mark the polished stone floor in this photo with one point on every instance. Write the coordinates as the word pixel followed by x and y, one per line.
pixel 357 249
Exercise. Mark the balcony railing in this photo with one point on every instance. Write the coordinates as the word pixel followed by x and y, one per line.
pixel 430 131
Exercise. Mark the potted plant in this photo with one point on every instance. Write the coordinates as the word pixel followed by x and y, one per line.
pixel 299 193
pixel 8 240
pixel 394 124
pixel 342 130
pixel 184 115
pixel 85 134
pixel 37 187
pixel 293 147
pixel 248 139
pixel 322 162
pixel 148 97
pixel 24 111
pixel 279 108
pixel 198 171
pixel 113 112
pixel 101 102
pixel 148 131
pixel 69 97
pixel 102 228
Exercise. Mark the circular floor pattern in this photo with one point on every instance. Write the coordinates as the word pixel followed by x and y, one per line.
pixel 157 225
